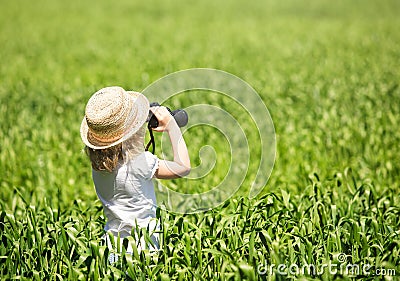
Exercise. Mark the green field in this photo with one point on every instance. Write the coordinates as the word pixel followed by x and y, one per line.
pixel 329 73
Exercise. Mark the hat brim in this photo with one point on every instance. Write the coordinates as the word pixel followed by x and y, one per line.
pixel 142 104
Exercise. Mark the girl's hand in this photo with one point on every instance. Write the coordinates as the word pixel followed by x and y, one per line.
pixel 165 120
pixel 180 167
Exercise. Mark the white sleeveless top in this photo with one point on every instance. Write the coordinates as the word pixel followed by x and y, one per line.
pixel 127 194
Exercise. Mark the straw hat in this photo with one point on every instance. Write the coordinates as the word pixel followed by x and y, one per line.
pixel 112 115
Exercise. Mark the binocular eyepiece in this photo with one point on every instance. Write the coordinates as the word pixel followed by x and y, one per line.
pixel 180 116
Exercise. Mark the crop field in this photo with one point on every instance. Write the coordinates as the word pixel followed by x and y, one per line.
pixel 328 72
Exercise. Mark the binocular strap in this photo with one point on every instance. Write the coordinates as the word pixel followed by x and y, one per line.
pixel 151 142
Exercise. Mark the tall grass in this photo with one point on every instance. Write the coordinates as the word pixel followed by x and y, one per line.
pixel 230 242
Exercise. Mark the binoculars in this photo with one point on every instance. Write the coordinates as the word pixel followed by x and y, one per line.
pixel 180 116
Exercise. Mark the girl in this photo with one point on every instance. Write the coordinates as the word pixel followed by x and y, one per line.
pixel 113 131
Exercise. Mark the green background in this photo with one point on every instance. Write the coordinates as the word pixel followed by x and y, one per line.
pixel 328 73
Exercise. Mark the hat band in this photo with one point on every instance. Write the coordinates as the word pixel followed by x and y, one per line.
pixel 93 139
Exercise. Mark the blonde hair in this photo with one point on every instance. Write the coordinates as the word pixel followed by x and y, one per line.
pixel 107 159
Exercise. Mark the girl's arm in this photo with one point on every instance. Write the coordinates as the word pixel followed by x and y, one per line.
pixel 180 167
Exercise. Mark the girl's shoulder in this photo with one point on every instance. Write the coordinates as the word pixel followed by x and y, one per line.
pixel 143 165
